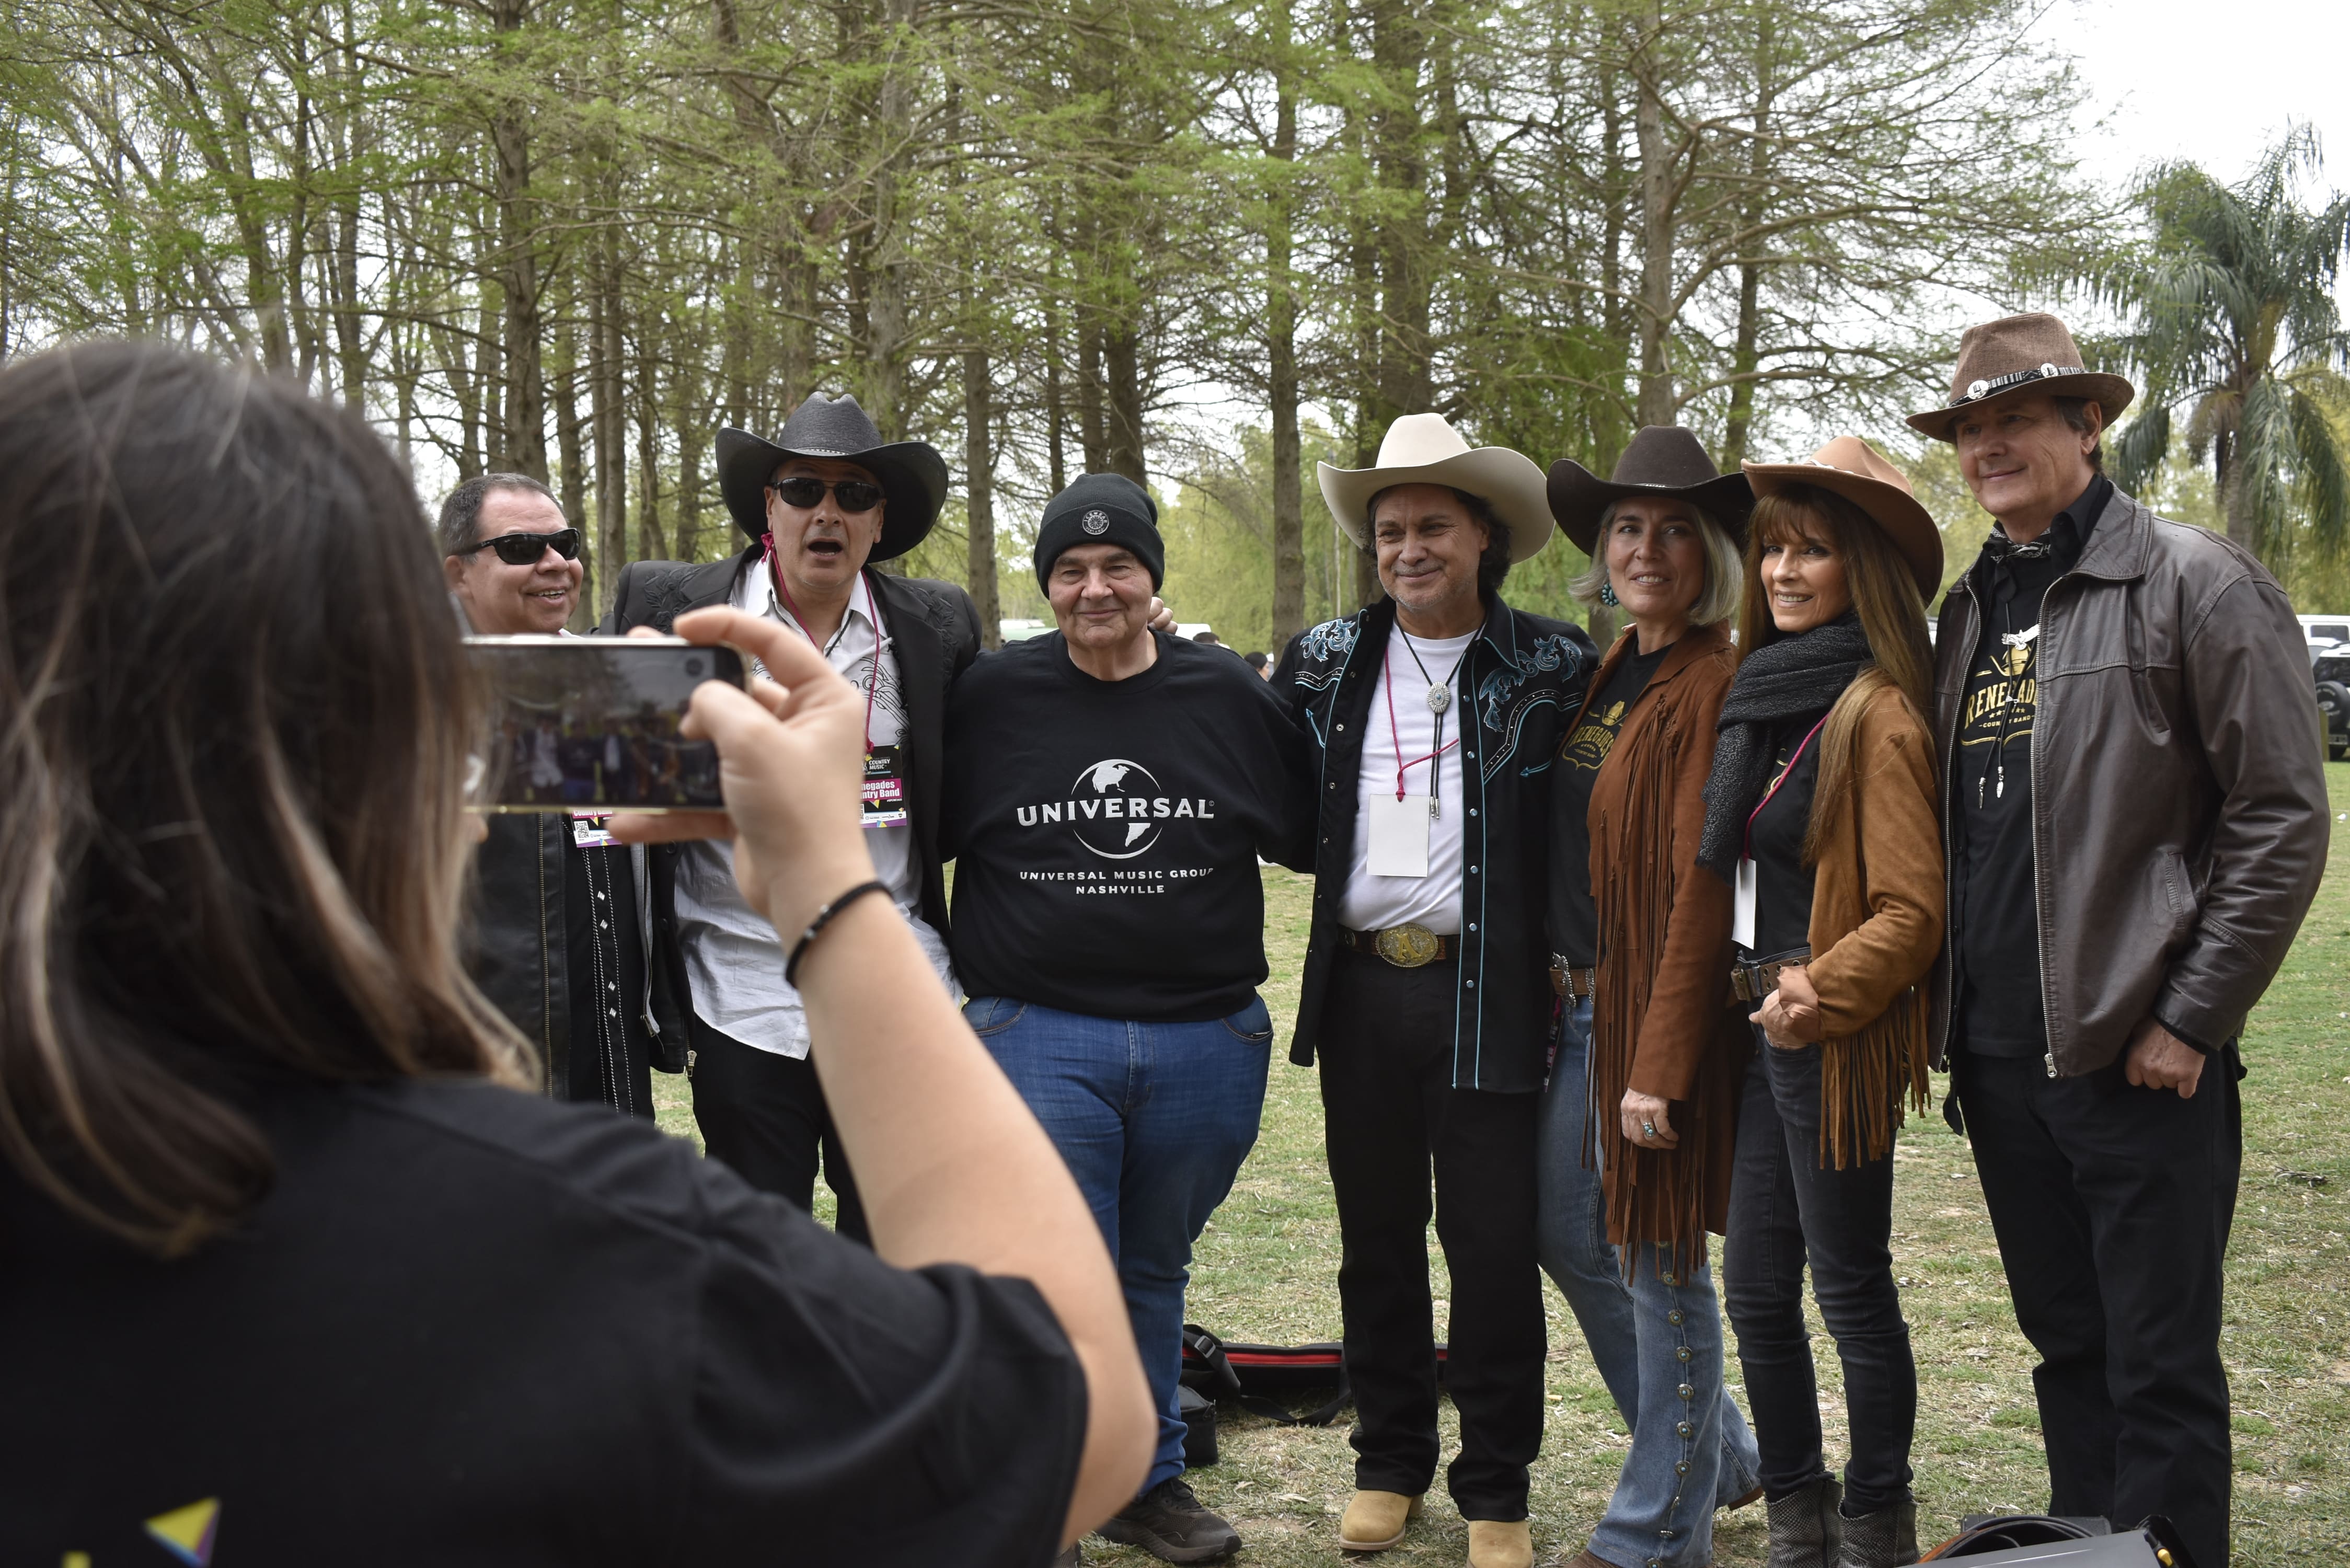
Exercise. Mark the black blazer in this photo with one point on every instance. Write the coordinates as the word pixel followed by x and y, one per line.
pixel 934 634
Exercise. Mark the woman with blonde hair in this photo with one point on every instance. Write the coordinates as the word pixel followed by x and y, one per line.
pixel 1820 818
pixel 1639 1120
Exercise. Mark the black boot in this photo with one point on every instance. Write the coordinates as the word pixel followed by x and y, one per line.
pixel 1885 1538
pixel 1807 1528
pixel 1170 1523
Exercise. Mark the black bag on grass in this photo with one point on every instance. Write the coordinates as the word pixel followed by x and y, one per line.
pixel 1248 1375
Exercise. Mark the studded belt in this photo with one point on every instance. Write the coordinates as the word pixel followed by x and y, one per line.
pixel 1568 981
pixel 1754 982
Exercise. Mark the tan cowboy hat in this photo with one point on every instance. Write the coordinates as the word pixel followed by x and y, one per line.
pixel 1662 459
pixel 2033 353
pixel 1424 449
pixel 1850 467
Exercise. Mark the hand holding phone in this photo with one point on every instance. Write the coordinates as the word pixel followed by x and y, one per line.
pixel 791 767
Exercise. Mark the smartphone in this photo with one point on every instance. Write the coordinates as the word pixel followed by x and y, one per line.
pixel 588 725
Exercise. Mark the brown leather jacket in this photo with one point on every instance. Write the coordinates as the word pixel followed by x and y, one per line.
pixel 1661 1020
pixel 2178 794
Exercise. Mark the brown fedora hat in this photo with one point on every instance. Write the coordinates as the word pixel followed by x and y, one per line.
pixel 1662 459
pixel 2033 353
pixel 1848 466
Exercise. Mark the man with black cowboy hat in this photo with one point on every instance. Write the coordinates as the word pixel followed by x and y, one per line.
pixel 2134 815
pixel 821 503
pixel 1435 710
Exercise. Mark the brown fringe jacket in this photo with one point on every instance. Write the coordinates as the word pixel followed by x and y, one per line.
pixel 1876 927
pixel 1661 1019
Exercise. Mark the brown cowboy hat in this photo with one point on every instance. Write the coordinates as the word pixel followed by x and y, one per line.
pixel 1848 466
pixel 1663 459
pixel 2033 353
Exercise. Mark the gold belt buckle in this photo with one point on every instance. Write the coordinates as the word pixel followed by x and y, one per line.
pixel 1408 946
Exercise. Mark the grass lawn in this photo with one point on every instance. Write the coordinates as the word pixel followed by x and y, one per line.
pixel 1267 1270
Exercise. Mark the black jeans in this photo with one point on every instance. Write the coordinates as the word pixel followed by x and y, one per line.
pixel 1391 1118
pixel 1786 1210
pixel 764 1115
pixel 2112 1205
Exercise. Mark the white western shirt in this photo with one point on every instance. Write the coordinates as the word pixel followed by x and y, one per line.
pixel 1374 903
pixel 734 959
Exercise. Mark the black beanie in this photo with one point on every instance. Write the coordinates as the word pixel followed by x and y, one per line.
pixel 1102 509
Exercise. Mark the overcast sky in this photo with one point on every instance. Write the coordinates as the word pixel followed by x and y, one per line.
pixel 2211 80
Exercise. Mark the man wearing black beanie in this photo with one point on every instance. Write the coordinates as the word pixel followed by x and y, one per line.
pixel 1102 509
pixel 1109 789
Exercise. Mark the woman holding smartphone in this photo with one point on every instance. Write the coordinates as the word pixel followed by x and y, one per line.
pixel 1820 814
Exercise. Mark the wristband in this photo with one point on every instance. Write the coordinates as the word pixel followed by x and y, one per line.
pixel 823 918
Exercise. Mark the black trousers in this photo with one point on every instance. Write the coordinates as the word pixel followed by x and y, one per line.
pixel 764 1116
pixel 1391 1119
pixel 2112 1205
pixel 1785 1212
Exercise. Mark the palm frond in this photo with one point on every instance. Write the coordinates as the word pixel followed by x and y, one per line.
pixel 2325 470
pixel 2145 442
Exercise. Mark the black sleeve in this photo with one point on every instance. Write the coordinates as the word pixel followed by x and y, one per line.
pixel 1295 811
pixel 963 644
pixel 848 1412
pixel 1285 679
pixel 615 621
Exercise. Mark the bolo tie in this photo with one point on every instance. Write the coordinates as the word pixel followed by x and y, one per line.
pixel 1994 771
pixel 1440 697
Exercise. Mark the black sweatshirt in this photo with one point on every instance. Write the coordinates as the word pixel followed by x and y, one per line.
pixel 1106 833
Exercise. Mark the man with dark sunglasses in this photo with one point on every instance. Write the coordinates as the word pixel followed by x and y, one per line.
pixel 818 504
pixel 553 940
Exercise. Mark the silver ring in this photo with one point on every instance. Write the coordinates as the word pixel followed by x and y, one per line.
pixel 1649 1127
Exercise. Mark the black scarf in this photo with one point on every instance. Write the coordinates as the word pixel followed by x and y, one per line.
pixel 1795 677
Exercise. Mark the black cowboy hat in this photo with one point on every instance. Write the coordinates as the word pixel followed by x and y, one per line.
pixel 911 473
pixel 1663 459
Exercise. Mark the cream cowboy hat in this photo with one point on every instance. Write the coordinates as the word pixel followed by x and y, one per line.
pixel 1424 449
pixel 1848 466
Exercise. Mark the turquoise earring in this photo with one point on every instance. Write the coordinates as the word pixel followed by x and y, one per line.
pixel 1608 593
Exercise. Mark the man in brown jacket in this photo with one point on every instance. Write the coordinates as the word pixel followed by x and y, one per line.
pixel 2135 818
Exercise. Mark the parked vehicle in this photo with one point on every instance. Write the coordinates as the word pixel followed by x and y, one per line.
pixel 2326 628
pixel 2329 666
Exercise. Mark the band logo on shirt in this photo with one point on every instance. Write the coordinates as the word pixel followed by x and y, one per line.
pixel 1116 809
pixel 2002 708
pixel 1589 747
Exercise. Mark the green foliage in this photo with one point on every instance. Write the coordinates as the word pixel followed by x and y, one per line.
pixel 2235 319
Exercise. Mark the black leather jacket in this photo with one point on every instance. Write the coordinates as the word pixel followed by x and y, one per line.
pixel 1521 677
pixel 2178 805
pixel 934 634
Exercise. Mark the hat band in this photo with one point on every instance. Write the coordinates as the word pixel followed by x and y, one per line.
pixel 1978 390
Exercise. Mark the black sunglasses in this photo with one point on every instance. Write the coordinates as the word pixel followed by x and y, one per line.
pixel 522 549
pixel 854 494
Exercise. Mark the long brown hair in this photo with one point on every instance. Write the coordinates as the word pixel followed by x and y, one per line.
pixel 1892 618
pixel 233 724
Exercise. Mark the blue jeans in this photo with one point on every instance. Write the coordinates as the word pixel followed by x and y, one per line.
pixel 1154 1120
pixel 1654 1339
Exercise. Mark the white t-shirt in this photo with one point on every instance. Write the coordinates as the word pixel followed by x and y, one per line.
pixel 734 959
pixel 1374 903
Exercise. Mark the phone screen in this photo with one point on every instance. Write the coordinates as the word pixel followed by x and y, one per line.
pixel 589 724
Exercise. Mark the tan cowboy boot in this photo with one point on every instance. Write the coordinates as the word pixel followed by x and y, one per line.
pixel 1376 1521
pixel 1494 1543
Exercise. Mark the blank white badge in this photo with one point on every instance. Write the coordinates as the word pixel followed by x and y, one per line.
pixel 1742 906
pixel 1399 836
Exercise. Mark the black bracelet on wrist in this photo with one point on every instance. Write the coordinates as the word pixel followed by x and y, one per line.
pixel 823 918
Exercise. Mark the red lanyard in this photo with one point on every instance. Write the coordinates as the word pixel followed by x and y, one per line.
pixel 1783 774
pixel 872 613
pixel 1395 735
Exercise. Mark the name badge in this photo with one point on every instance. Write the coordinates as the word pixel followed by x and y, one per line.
pixel 1399 835
pixel 592 832
pixel 885 789
pixel 1742 908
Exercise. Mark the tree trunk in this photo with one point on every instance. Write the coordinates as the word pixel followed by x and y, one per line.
pixel 1281 317
pixel 571 480
pixel 607 412
pixel 1122 363
pixel 1657 404
pixel 1056 403
pixel 524 437
pixel 1745 352
pixel 1092 422
pixel 979 487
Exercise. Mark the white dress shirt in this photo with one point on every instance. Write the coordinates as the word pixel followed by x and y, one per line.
pixel 1374 903
pixel 734 959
